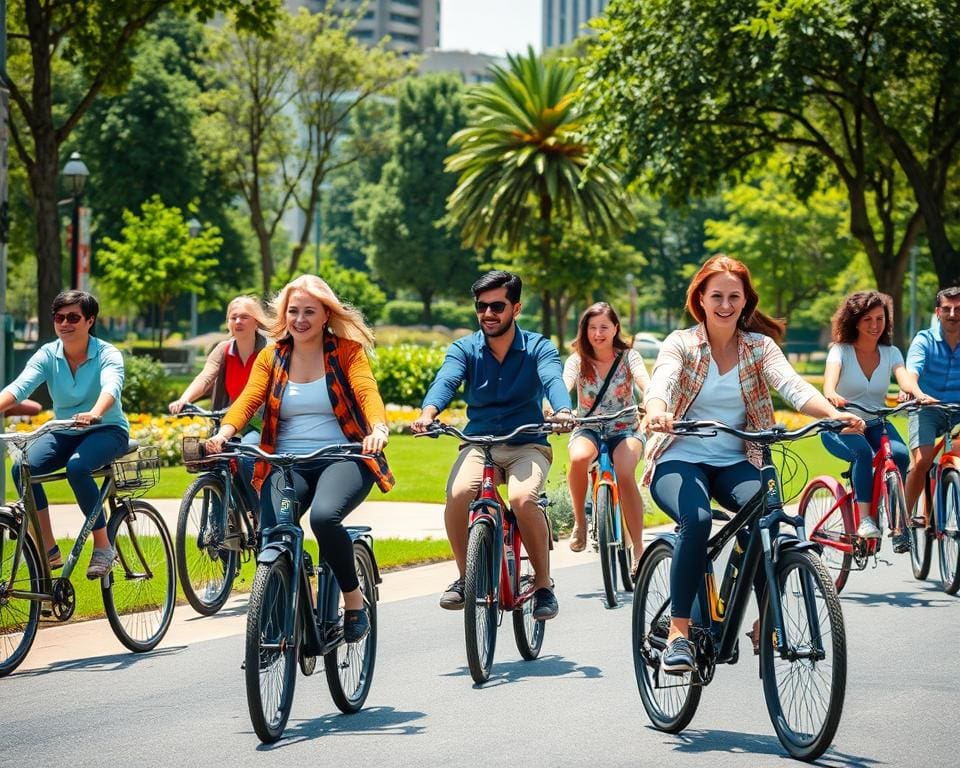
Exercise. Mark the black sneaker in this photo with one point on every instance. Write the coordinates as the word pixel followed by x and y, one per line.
pixel 544 604
pixel 678 658
pixel 901 542
pixel 452 599
pixel 356 624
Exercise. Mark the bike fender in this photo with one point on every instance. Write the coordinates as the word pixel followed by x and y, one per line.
pixel 949 462
pixel 831 482
pixel 483 513
pixel 272 552
pixel 367 544
pixel 786 541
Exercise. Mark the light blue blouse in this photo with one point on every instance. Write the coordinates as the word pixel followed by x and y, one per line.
pixel 74 393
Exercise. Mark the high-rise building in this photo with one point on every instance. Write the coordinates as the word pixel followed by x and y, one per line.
pixel 563 20
pixel 413 25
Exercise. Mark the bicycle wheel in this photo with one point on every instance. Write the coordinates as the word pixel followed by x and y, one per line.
pixel 270 658
pixel 921 538
pixel 349 667
pixel 829 524
pixel 608 558
pixel 804 692
pixel 949 541
pixel 19 618
pixel 623 557
pixel 670 700
pixel 140 591
pixel 205 568
pixel 527 631
pixel 481 602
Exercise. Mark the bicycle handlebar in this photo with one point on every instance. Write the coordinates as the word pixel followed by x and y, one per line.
pixel 341 451
pixel 775 434
pixel 631 410
pixel 54 425
pixel 189 409
pixel 437 428
pixel 907 405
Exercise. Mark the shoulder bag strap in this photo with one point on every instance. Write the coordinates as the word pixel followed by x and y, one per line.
pixel 606 384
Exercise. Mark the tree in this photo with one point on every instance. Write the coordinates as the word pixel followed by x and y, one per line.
pixel 310 68
pixel 863 89
pixel 409 244
pixel 157 259
pixel 95 39
pixel 523 166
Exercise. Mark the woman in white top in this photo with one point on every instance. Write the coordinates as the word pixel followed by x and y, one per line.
pixel 599 351
pixel 723 369
pixel 859 366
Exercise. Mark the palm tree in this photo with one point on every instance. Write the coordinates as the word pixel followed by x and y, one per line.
pixel 523 166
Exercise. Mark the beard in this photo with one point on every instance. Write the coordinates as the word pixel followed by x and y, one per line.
pixel 501 329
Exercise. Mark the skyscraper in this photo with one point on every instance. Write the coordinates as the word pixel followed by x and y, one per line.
pixel 413 25
pixel 563 20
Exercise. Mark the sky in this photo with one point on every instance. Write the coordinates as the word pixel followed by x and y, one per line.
pixel 495 27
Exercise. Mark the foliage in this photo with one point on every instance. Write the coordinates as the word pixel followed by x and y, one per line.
pixel 310 68
pixel 445 313
pixel 146 387
pixel 409 246
pixel 404 372
pixel 351 286
pixel 157 259
pixel 524 166
pixel 391 335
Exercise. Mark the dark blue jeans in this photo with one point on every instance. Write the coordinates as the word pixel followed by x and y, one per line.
pixel 80 453
pixel 859 450
pixel 683 490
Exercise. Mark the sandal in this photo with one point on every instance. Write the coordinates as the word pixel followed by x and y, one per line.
pixel 578 539
pixel 54 558
pixel 754 635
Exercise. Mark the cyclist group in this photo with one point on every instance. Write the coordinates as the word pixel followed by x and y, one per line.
pixel 314 387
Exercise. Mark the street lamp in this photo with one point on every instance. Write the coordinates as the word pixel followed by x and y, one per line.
pixel 74 177
pixel 193 227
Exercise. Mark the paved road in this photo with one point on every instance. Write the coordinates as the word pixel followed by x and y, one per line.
pixel 184 704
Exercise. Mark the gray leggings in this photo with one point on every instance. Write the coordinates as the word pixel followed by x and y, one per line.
pixel 683 490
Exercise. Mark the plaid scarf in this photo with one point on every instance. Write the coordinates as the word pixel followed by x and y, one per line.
pixel 348 413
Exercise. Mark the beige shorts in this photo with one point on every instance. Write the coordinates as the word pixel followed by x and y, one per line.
pixel 524 468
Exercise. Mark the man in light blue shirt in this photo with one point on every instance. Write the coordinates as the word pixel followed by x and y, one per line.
pixel 506 372
pixel 84 376
pixel 934 360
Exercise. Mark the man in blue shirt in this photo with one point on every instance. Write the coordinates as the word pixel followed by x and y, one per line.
pixel 506 372
pixel 934 360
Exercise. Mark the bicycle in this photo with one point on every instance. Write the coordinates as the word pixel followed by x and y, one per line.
pixel 290 623
pixel 941 494
pixel 216 526
pixel 802 641
pixel 498 576
pixel 138 593
pixel 606 529
pixel 831 514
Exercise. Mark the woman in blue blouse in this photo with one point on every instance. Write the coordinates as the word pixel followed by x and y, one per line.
pixel 84 377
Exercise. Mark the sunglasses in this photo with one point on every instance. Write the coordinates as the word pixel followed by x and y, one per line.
pixel 496 306
pixel 71 317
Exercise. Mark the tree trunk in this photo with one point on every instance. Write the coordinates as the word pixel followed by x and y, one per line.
pixel 560 307
pixel 43 186
pixel 426 298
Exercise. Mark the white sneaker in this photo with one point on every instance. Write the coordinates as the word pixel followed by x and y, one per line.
pixel 868 529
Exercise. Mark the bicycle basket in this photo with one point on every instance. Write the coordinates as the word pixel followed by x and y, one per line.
pixel 137 471
pixel 194 457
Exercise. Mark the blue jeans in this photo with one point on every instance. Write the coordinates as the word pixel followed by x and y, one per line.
pixel 683 490
pixel 859 450
pixel 80 453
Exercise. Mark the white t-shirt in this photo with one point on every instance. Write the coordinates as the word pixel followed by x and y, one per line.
pixel 307 421
pixel 720 399
pixel 853 384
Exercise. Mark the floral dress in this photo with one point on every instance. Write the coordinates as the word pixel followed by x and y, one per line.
pixel 629 377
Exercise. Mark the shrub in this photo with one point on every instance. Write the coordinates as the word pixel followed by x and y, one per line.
pixel 445 313
pixel 405 372
pixel 560 510
pixel 146 386
pixel 420 335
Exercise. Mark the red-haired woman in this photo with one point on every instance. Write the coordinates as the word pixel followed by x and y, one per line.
pixel 600 354
pixel 721 369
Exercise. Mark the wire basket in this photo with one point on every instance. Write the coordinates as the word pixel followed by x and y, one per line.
pixel 194 456
pixel 137 471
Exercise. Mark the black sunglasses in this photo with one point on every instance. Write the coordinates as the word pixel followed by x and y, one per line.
pixel 496 306
pixel 71 317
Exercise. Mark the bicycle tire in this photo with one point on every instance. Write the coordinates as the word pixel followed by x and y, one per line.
pixel 623 557
pixel 140 591
pixel 608 559
pixel 828 524
pixel 948 543
pixel 481 602
pixel 527 631
pixel 19 618
pixel 805 729
pixel 270 663
pixel 671 707
pixel 921 538
pixel 349 667
pixel 205 568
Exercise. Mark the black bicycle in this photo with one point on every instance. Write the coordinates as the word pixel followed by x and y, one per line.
pixel 802 641
pixel 290 622
pixel 217 524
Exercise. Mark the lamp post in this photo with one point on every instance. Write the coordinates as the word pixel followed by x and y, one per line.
pixel 193 227
pixel 75 175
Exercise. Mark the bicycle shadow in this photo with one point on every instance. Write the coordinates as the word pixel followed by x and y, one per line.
pixel 515 671
pixel 695 741
pixel 902 599
pixel 107 663
pixel 624 598
pixel 375 721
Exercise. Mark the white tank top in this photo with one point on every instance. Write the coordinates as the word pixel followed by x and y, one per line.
pixel 306 420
